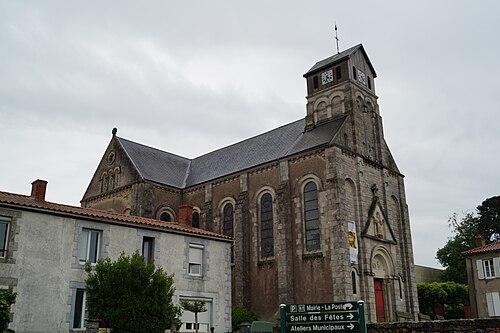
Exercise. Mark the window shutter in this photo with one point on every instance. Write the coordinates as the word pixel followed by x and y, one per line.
pixel 491 308
pixel 496 265
pixel 480 271
pixel 496 303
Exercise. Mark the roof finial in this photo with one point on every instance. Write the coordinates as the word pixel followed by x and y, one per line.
pixel 114 131
pixel 337 38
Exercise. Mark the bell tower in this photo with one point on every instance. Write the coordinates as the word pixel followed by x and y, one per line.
pixel 344 84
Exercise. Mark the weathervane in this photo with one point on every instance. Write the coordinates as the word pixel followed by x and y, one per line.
pixel 337 38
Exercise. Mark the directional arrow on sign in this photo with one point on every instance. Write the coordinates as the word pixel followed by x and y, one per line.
pixel 350 316
pixel 351 327
pixel 347 306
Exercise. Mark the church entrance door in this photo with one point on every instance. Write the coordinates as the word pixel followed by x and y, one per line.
pixel 379 300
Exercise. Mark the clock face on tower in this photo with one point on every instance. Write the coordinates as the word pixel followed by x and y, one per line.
pixel 361 77
pixel 327 77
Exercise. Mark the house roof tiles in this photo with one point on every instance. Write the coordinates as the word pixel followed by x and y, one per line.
pixel 492 247
pixel 17 200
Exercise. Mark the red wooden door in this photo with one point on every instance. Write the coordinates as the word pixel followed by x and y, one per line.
pixel 379 300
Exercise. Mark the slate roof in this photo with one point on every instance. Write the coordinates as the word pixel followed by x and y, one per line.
pixel 492 247
pixel 338 58
pixel 17 200
pixel 172 170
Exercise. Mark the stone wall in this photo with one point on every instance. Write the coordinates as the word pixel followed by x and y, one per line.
pixel 490 325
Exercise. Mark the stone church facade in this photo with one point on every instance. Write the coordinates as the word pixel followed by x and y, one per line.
pixel 316 207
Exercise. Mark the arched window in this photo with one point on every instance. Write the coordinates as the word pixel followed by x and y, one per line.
pixel 227 220
pixel 311 217
pixel 166 217
pixel 266 226
pixel 196 219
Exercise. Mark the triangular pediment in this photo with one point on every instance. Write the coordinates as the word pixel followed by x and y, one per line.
pixel 377 227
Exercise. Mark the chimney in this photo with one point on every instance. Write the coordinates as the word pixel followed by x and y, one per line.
pixel 186 215
pixel 479 241
pixel 38 188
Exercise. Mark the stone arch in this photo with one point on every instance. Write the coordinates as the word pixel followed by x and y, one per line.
pixel 166 214
pixel 196 216
pixel 104 181
pixel 336 95
pixel 381 263
pixel 319 101
pixel 355 283
pixel 117 171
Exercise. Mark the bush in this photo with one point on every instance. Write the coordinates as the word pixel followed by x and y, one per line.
pixel 7 298
pixel 449 294
pixel 240 314
pixel 131 296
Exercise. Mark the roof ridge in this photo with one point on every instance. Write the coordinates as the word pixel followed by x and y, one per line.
pixel 250 138
pixel 154 148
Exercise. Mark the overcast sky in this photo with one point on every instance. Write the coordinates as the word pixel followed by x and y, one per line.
pixel 192 76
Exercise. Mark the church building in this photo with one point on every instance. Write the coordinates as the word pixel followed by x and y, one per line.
pixel 316 207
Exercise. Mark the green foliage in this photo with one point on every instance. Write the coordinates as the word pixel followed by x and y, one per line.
pixel 485 224
pixel 240 314
pixel 450 256
pixel 489 219
pixel 449 294
pixel 131 296
pixel 195 307
pixel 7 298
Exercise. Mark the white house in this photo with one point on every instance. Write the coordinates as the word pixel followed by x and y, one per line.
pixel 43 247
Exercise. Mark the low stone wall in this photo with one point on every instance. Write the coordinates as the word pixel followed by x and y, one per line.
pixel 489 325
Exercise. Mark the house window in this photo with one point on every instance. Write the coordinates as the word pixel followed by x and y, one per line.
pixel 489 269
pixel 493 301
pixel 315 82
pixel 311 217
pixel 4 235
pixel 195 260
pixel 266 226
pixel 148 248
pixel 89 246
pixel 369 82
pixel 354 73
pixel 80 309
pixel 196 219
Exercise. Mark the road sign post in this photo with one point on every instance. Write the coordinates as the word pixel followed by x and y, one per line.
pixel 323 317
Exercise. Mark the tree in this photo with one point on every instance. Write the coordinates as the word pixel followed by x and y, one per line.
pixel 241 314
pixel 489 219
pixel 195 307
pixel 450 256
pixel 485 224
pixel 7 298
pixel 130 295
pixel 449 294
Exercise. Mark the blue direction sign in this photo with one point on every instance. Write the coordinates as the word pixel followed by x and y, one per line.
pixel 321 307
